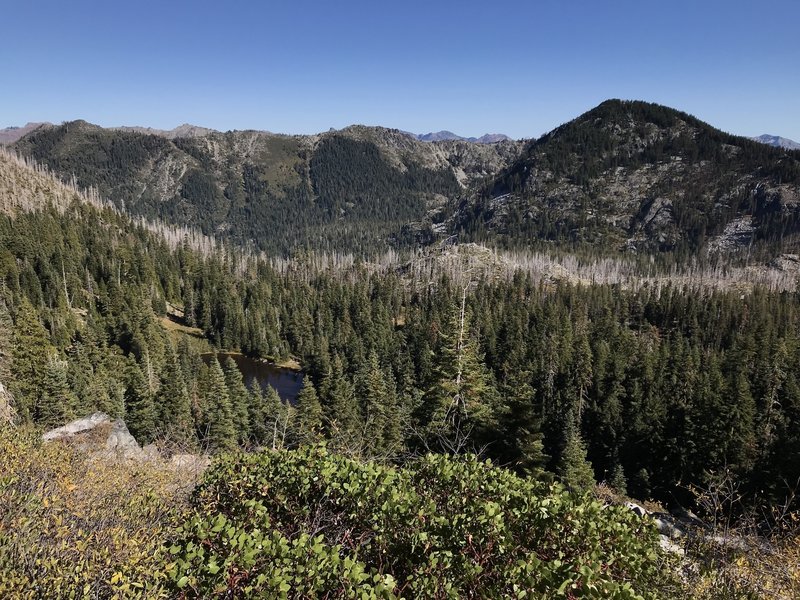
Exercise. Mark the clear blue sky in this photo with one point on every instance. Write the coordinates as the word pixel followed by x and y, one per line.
pixel 297 66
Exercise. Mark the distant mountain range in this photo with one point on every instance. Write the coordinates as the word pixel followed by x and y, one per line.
pixel 9 135
pixel 443 136
pixel 777 141
pixel 624 177
pixel 181 131
pixel 353 189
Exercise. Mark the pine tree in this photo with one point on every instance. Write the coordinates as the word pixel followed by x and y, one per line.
pixel 140 411
pixel 343 412
pixel 462 402
pixel 108 394
pixel 575 471
pixel 6 344
pixel 739 418
pixel 8 413
pixel 257 416
pixel 581 367
pixel 30 357
pixel 218 423
pixel 57 402
pixel 172 402
pixel 308 422
pixel 373 397
pixel 239 399
pixel 396 418
pixel 281 417
pixel 522 421
pixel 617 480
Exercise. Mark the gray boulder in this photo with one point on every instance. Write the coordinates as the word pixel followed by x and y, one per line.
pixel 99 434
pixel 669 526
pixel 7 413
pixel 639 510
pixel 667 545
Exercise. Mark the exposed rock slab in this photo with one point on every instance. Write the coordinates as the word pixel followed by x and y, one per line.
pixel 99 434
pixel 7 413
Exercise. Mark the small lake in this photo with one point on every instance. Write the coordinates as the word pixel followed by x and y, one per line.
pixel 285 381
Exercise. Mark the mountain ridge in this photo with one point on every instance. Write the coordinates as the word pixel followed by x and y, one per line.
pixel 625 176
pixel 636 176
pixel 777 141
pixel 9 135
pixel 447 136
pixel 276 191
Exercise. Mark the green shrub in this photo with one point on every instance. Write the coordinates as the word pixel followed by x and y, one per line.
pixel 309 523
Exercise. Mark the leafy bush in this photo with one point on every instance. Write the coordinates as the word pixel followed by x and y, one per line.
pixel 76 527
pixel 309 523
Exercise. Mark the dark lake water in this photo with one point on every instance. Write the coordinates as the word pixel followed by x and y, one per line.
pixel 285 381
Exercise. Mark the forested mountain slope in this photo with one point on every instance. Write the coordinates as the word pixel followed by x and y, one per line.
pixel 25 187
pixel 652 389
pixel 641 177
pixel 625 176
pixel 357 189
pixel 654 386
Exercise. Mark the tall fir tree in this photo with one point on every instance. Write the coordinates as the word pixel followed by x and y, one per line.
pixel 8 413
pixel 522 421
pixel 172 403
pixel 257 411
pixel 239 399
pixel 373 398
pixel 343 417
pixel 140 410
pixel 308 422
pixel 461 405
pixel 218 426
pixel 56 403
pixel 6 344
pixel 574 469
pixel 30 356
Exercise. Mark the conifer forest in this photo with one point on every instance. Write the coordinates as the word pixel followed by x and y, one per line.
pixel 488 372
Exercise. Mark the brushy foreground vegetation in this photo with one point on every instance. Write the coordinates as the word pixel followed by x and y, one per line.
pixel 74 527
pixel 310 523
pixel 306 523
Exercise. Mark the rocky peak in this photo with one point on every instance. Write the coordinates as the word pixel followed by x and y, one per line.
pixel 777 141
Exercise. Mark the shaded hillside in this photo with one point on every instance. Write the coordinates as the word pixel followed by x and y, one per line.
pixel 641 177
pixel 355 189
